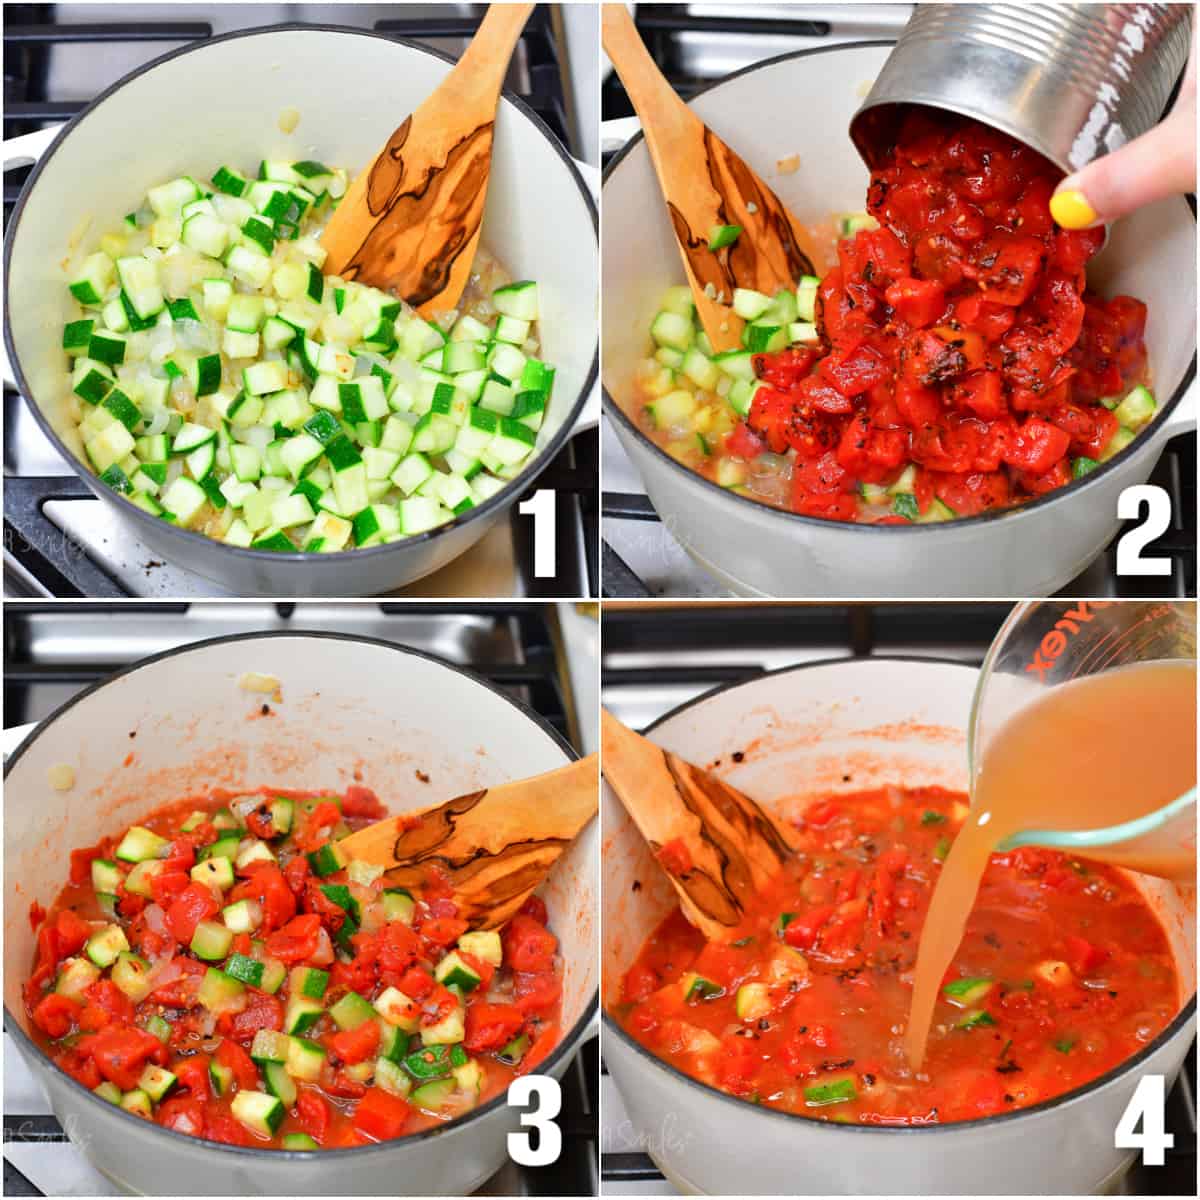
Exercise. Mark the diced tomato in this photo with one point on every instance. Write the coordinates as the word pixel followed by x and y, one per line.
pixel 193 1075
pixel 106 995
pixel 81 862
pixel 55 1015
pixel 312 1111
pixel 362 802
pixel 1082 956
pixel 167 886
pixel 245 1073
pixel 193 905
pixel 380 1115
pixel 220 1127
pixel 1037 446
pixel 184 1114
pixel 744 442
pixel 803 928
pixel 122 1052
pixel 266 884
pixel 179 982
pixel 918 302
pixel 443 931
pixel 539 1050
pixel 537 993
pixel 70 933
pixel 354 1045
pixel 297 940
pixel 491 1026
pixel 535 907
pixel 262 1011
pixel 528 945
pixel 417 983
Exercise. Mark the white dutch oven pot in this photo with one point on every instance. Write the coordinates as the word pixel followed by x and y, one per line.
pixel 353 710
pixel 220 101
pixel 802 103
pixel 803 730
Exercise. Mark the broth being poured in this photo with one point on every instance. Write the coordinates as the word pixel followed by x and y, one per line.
pixel 1090 753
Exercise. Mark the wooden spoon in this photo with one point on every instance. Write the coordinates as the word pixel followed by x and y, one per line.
pixel 716 844
pixel 706 185
pixel 495 846
pixel 409 223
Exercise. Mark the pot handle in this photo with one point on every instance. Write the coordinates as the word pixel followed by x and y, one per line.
pixel 1183 419
pixel 23 151
pixel 27 148
pixel 589 414
pixel 615 133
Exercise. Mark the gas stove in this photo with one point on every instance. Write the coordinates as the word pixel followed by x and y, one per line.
pixel 659 655
pixel 546 656
pixel 59 540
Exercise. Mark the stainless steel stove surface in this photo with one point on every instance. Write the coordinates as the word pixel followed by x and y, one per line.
pixel 659 656
pixel 697 44
pixel 58 539
pixel 543 655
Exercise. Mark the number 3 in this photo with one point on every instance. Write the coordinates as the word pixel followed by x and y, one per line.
pixel 1147 1106
pixel 1130 560
pixel 544 1090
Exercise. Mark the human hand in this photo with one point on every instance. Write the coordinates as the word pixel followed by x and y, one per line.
pixel 1162 162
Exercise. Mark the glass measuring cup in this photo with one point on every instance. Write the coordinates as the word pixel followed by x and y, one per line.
pixel 1043 645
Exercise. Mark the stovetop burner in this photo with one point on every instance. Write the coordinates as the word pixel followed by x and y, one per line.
pixel 59 540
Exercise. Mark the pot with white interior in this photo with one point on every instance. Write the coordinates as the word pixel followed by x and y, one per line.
pixel 803 730
pixel 220 101
pixel 352 710
pixel 1031 550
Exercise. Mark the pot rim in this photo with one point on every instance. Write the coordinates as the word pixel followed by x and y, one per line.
pixel 566 1044
pixel 1124 1068
pixel 799 520
pixel 503 499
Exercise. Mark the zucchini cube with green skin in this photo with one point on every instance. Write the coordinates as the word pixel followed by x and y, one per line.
pixel 256 851
pixel 351 1011
pixel 92 381
pixel 140 844
pixel 75 976
pixel 298 1141
pixel 214 873
pixel 184 500
pixel 515 1050
pixel 398 1009
pixel 77 335
pixel 106 875
pixel 363 400
pixel 305 1060
pixel 93 279
pixel 157 1082
pixel 1137 409
pixel 245 969
pixel 139 281
pixel 220 1077
pixel 107 347
pixel 398 905
pixel 131 974
pixel 454 972
pixel 269 1046
pixel 302 1014
pixel 279 1083
pixel 259 1112
pixel 391 1077
pixel 433 1097
pixel 219 991
pixel 211 941
pixel 450 1030
pixel 106 944
pixel 137 882
pixel 753 1002
pixel 108 1091
pixel 966 993
pixel 519 300
pixel 138 1103
pixel 327 859
pixel 483 944
pixel 205 374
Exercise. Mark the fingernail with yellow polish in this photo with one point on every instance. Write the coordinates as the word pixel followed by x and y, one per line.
pixel 1070 208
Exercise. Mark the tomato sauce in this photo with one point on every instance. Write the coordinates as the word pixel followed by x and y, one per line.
pixel 342 923
pixel 1063 972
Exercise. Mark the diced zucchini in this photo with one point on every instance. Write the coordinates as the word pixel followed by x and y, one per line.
pixel 105 944
pixel 259 1112
pixel 140 844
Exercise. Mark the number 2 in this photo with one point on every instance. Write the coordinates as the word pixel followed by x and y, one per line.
pixel 544 1090
pixel 1130 560
pixel 1147 1105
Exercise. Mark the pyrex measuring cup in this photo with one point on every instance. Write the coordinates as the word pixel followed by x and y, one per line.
pixel 1045 644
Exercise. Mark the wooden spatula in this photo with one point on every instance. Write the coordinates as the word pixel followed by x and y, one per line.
pixel 716 844
pixel 409 223
pixel 706 186
pixel 495 846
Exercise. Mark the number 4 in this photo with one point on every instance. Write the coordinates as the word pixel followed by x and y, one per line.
pixel 1147 1105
